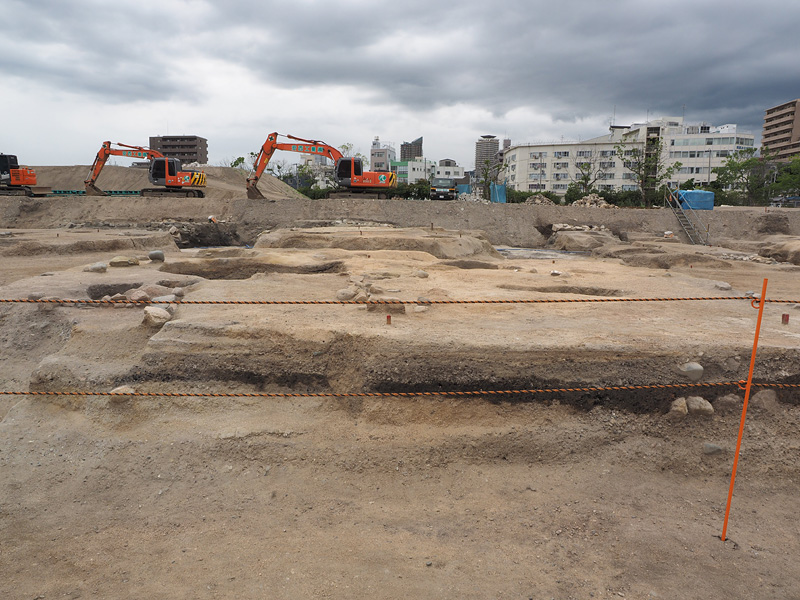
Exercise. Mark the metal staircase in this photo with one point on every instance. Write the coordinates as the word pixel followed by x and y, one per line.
pixel 688 219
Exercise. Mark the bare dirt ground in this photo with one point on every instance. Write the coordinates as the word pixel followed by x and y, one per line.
pixel 561 495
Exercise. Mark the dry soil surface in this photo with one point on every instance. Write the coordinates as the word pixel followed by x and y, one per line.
pixel 557 495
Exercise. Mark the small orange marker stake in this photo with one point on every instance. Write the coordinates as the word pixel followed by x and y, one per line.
pixel 761 301
pixel 388 319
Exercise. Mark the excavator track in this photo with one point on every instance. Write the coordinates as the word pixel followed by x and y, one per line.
pixel 30 191
pixel 370 194
pixel 172 193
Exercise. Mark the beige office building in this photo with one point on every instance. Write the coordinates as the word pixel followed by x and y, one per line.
pixel 781 133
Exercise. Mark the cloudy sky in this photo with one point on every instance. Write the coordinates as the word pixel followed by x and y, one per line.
pixel 75 73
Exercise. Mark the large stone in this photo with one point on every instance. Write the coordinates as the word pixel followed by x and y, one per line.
pixel 389 309
pixel 123 396
pixel 123 261
pixel 346 294
pixel 98 267
pixel 678 409
pixel 138 296
pixel 765 400
pixel 692 371
pixel 699 407
pixel 156 255
pixel 728 404
pixel 155 317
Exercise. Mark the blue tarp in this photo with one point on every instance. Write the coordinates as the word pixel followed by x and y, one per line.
pixel 497 192
pixel 696 199
pixel 464 188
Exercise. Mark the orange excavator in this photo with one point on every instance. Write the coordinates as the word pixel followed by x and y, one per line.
pixel 349 171
pixel 18 181
pixel 163 171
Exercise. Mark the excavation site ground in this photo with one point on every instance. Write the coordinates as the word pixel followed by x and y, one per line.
pixel 292 398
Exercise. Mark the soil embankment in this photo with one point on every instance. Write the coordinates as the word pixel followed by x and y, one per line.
pixel 222 490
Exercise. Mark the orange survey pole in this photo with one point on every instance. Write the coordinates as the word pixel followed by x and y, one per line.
pixel 747 389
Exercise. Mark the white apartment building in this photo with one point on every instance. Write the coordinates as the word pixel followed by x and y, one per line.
pixel 381 155
pixel 552 167
pixel 447 167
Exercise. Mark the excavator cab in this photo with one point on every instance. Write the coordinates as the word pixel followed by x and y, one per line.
pixel 161 167
pixel 346 169
pixel 7 162
pixel 20 179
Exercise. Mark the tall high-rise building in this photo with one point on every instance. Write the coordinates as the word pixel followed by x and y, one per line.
pixel 781 133
pixel 411 150
pixel 486 150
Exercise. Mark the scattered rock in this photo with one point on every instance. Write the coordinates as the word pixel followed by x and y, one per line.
pixel 692 371
pixel 155 316
pixel 539 199
pixel 123 389
pixel 98 267
pixel 389 309
pixel 138 296
pixel 728 404
pixel 123 261
pixel 678 409
pixel 155 290
pixel 346 294
pixel 156 255
pixel 721 285
pixel 593 201
pixel 765 400
pixel 555 273
pixel 710 449
pixel 421 274
pixel 698 406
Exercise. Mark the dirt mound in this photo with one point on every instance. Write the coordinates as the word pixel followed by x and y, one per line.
pixel 784 251
pixel 222 183
pixel 437 242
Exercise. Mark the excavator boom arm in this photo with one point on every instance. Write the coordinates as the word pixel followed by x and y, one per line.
pixel 107 150
pixel 272 144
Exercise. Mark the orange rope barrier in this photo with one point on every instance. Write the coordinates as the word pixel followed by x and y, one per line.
pixel 666 386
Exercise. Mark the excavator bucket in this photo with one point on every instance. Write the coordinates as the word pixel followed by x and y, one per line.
pixel 93 190
pixel 253 193
pixel 40 190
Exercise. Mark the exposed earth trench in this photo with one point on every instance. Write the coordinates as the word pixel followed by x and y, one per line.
pixel 218 494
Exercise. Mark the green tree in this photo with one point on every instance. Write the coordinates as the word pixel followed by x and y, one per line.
pixel 517 196
pixel 649 165
pixel 747 174
pixel 575 192
pixel 787 180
